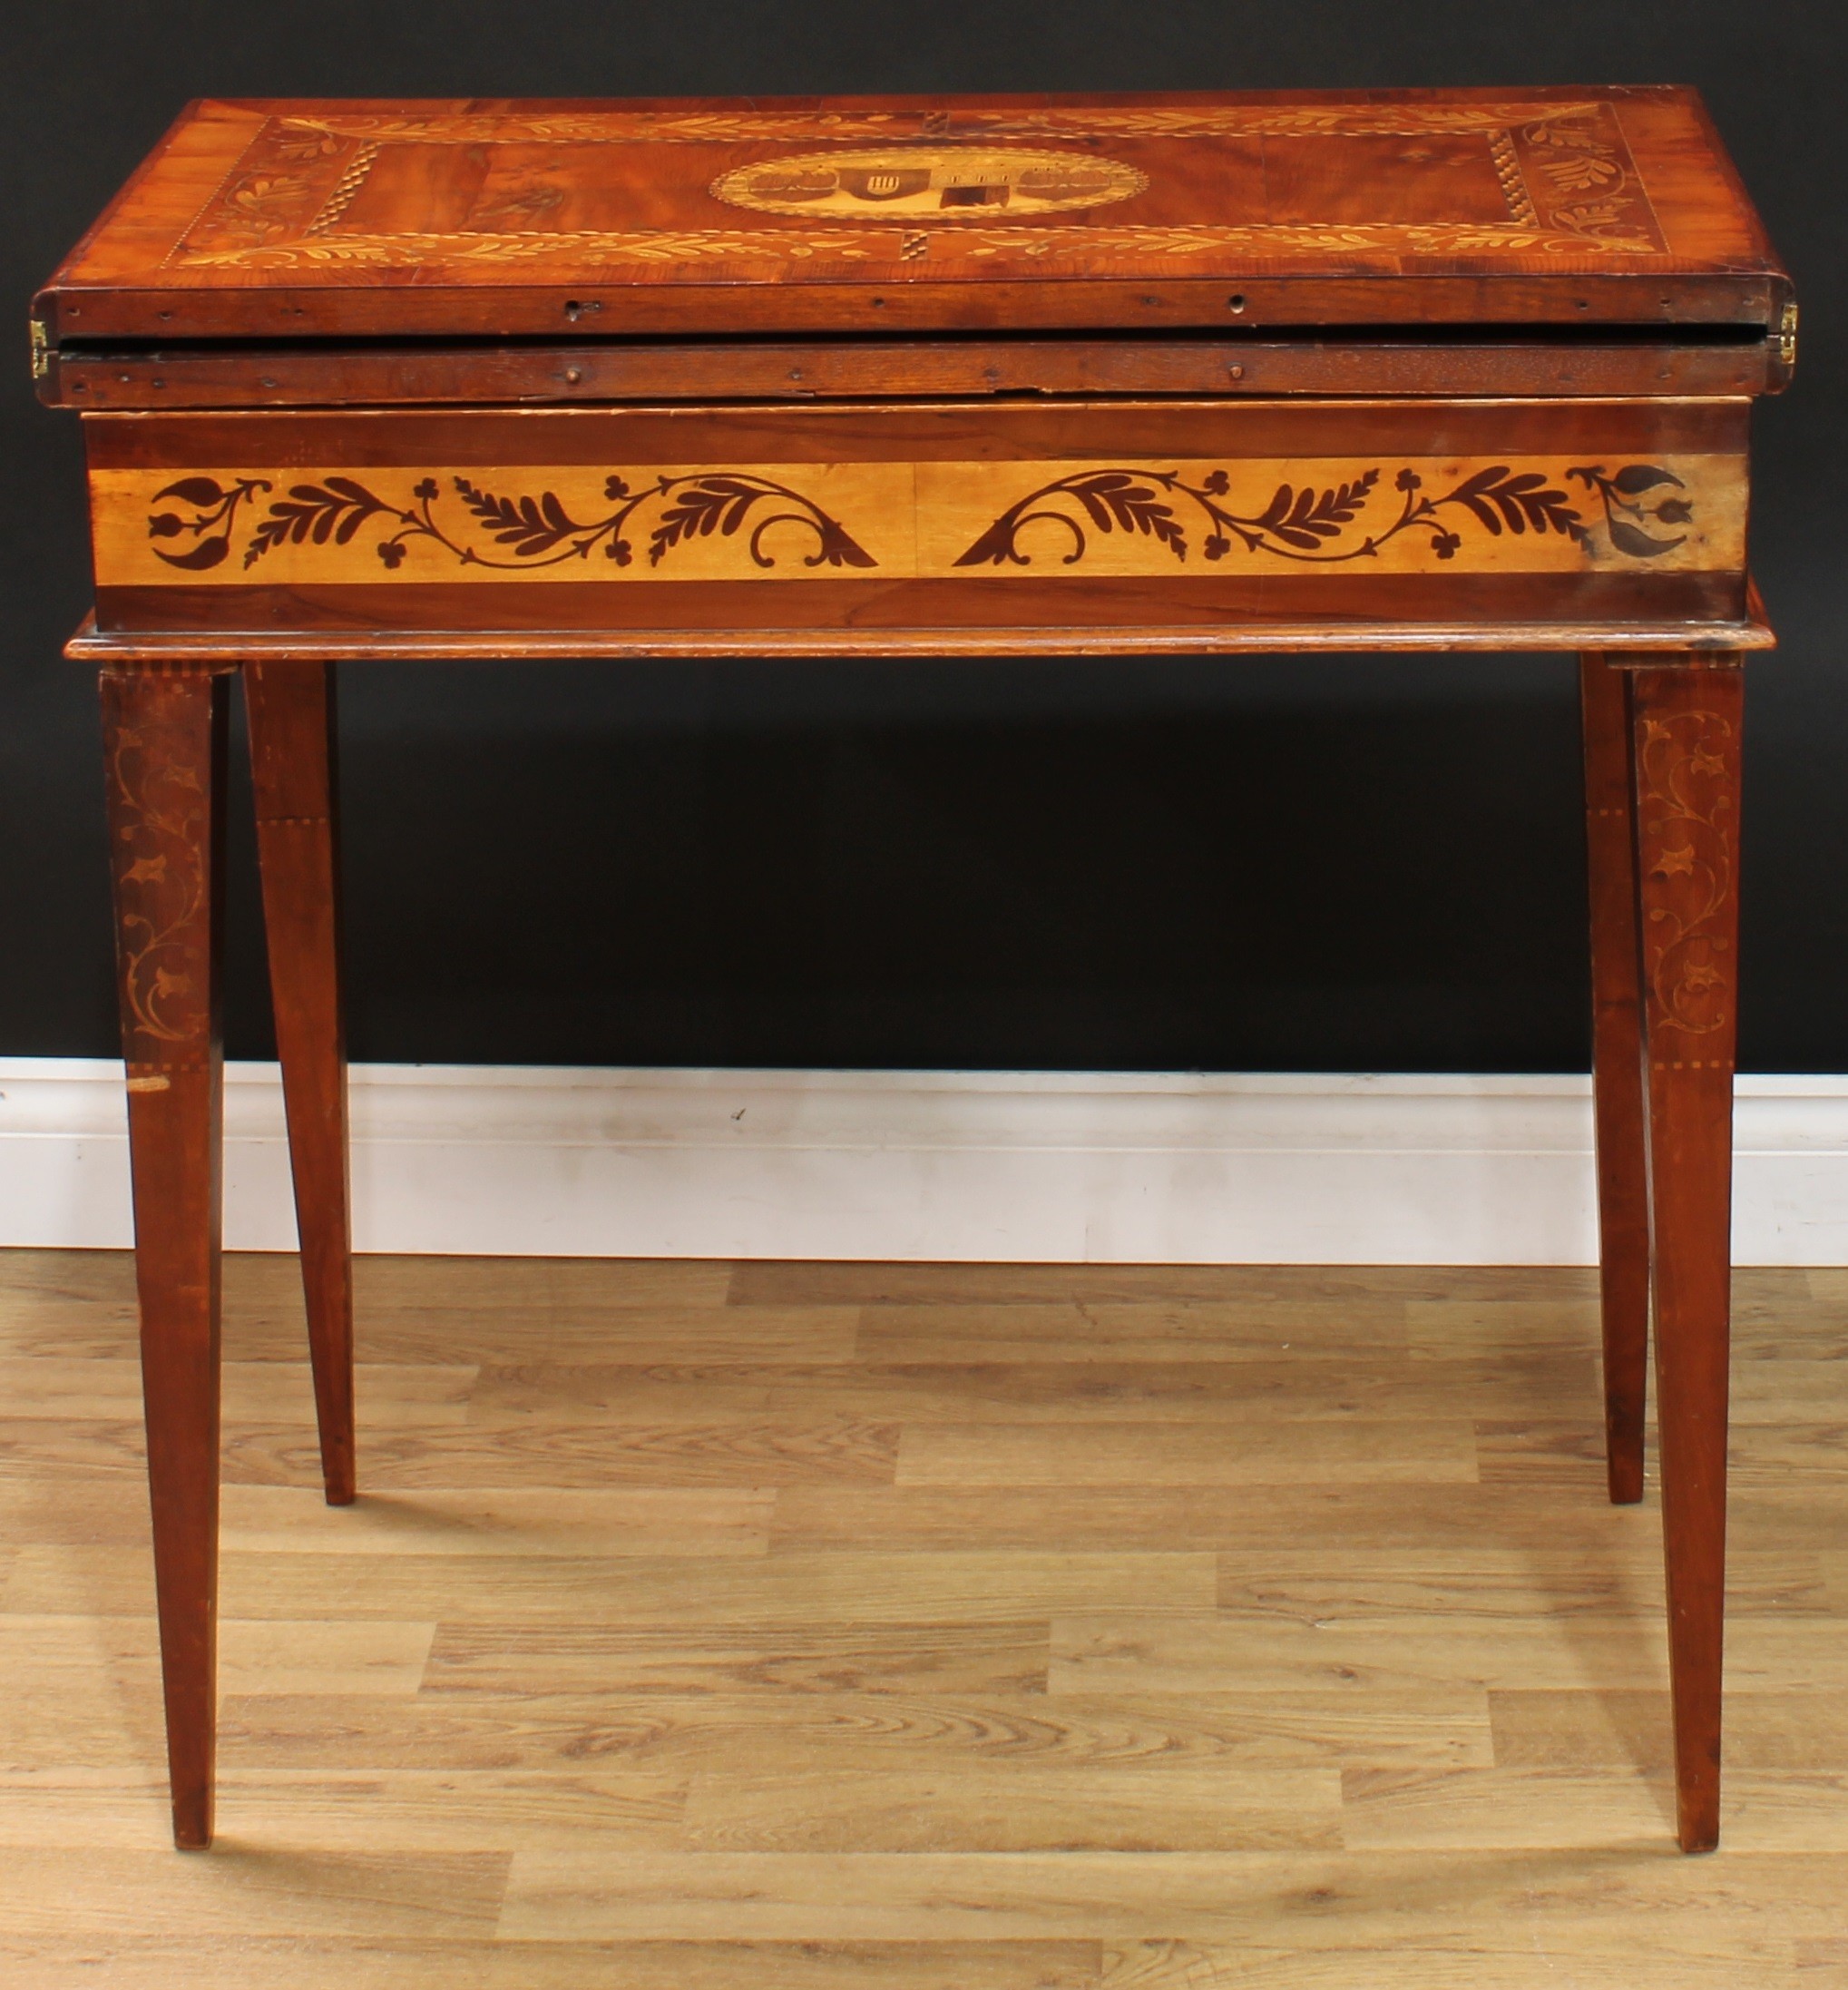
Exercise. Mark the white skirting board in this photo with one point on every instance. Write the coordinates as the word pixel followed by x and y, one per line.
pixel 971 1166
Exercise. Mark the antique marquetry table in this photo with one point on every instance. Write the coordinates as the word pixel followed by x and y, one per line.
pixel 1119 375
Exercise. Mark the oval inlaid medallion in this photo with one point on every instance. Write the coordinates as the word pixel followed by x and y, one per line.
pixel 946 182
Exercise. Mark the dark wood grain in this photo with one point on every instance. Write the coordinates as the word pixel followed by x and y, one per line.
pixel 164 757
pixel 290 708
pixel 1686 763
pixel 733 369
pixel 1157 304
pixel 1413 624
pixel 1192 614
pixel 1618 1085
pixel 947 431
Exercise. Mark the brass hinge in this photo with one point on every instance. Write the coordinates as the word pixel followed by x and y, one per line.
pixel 41 349
pixel 1787 336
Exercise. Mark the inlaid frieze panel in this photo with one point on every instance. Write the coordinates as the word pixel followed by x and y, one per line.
pixel 1107 517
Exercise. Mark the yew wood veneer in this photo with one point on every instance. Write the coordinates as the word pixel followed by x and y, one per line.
pixel 874 377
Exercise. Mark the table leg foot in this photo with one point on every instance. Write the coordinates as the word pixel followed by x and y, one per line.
pixel 1686 787
pixel 1617 1087
pixel 291 709
pixel 164 745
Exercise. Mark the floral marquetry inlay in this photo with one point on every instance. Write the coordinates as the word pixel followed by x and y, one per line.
pixel 523 532
pixel 1300 522
pixel 158 813
pixel 1687 829
pixel 905 520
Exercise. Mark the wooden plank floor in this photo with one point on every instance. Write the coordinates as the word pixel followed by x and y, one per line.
pixel 954 1628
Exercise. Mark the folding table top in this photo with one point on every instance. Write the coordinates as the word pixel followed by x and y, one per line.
pixel 1546 208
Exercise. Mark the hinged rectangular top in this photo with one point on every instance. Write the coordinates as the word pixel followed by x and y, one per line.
pixel 421 218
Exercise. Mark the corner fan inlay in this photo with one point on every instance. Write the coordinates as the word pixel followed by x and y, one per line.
pixel 816 521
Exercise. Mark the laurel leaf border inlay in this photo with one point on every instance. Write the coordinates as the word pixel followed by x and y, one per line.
pixel 1101 121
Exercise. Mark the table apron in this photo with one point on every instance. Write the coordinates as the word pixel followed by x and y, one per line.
pixel 951 515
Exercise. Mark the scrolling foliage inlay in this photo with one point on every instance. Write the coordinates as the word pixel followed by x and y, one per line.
pixel 1301 522
pixel 274 526
pixel 537 531
pixel 159 818
pixel 1687 820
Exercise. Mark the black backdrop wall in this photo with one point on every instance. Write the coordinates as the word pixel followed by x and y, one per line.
pixel 1342 864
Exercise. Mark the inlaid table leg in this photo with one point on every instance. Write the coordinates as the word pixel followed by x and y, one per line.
pixel 1623 1189
pixel 1688 717
pixel 164 748
pixel 290 709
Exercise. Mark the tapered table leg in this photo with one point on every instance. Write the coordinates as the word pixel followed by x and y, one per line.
pixel 290 709
pixel 1688 717
pixel 1623 1192
pixel 164 748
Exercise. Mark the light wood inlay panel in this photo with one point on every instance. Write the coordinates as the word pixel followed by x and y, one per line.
pixel 1007 1628
pixel 1072 520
